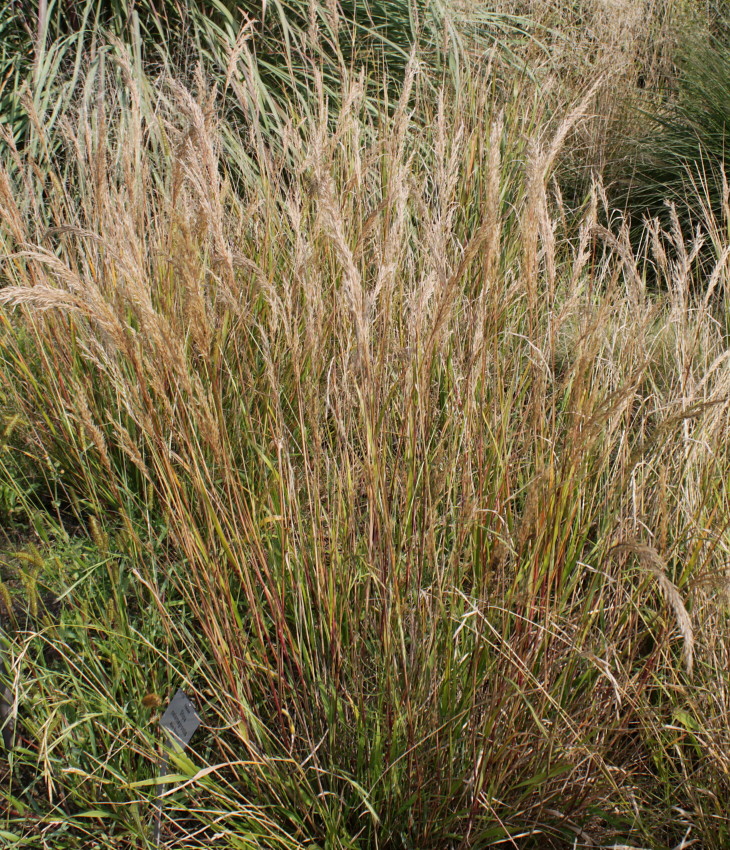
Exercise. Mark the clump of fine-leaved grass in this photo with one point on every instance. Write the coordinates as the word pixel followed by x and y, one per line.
pixel 46 48
pixel 679 158
pixel 670 158
pixel 399 470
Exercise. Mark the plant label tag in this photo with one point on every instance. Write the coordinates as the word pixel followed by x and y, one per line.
pixel 180 720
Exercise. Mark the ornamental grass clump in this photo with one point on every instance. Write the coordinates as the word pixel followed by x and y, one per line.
pixel 675 153
pixel 399 470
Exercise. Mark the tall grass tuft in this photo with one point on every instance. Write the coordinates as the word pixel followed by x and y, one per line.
pixel 401 471
pixel 674 155
pixel 45 48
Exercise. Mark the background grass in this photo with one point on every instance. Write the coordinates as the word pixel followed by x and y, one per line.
pixel 353 414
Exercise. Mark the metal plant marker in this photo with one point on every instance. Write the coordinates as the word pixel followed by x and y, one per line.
pixel 179 722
